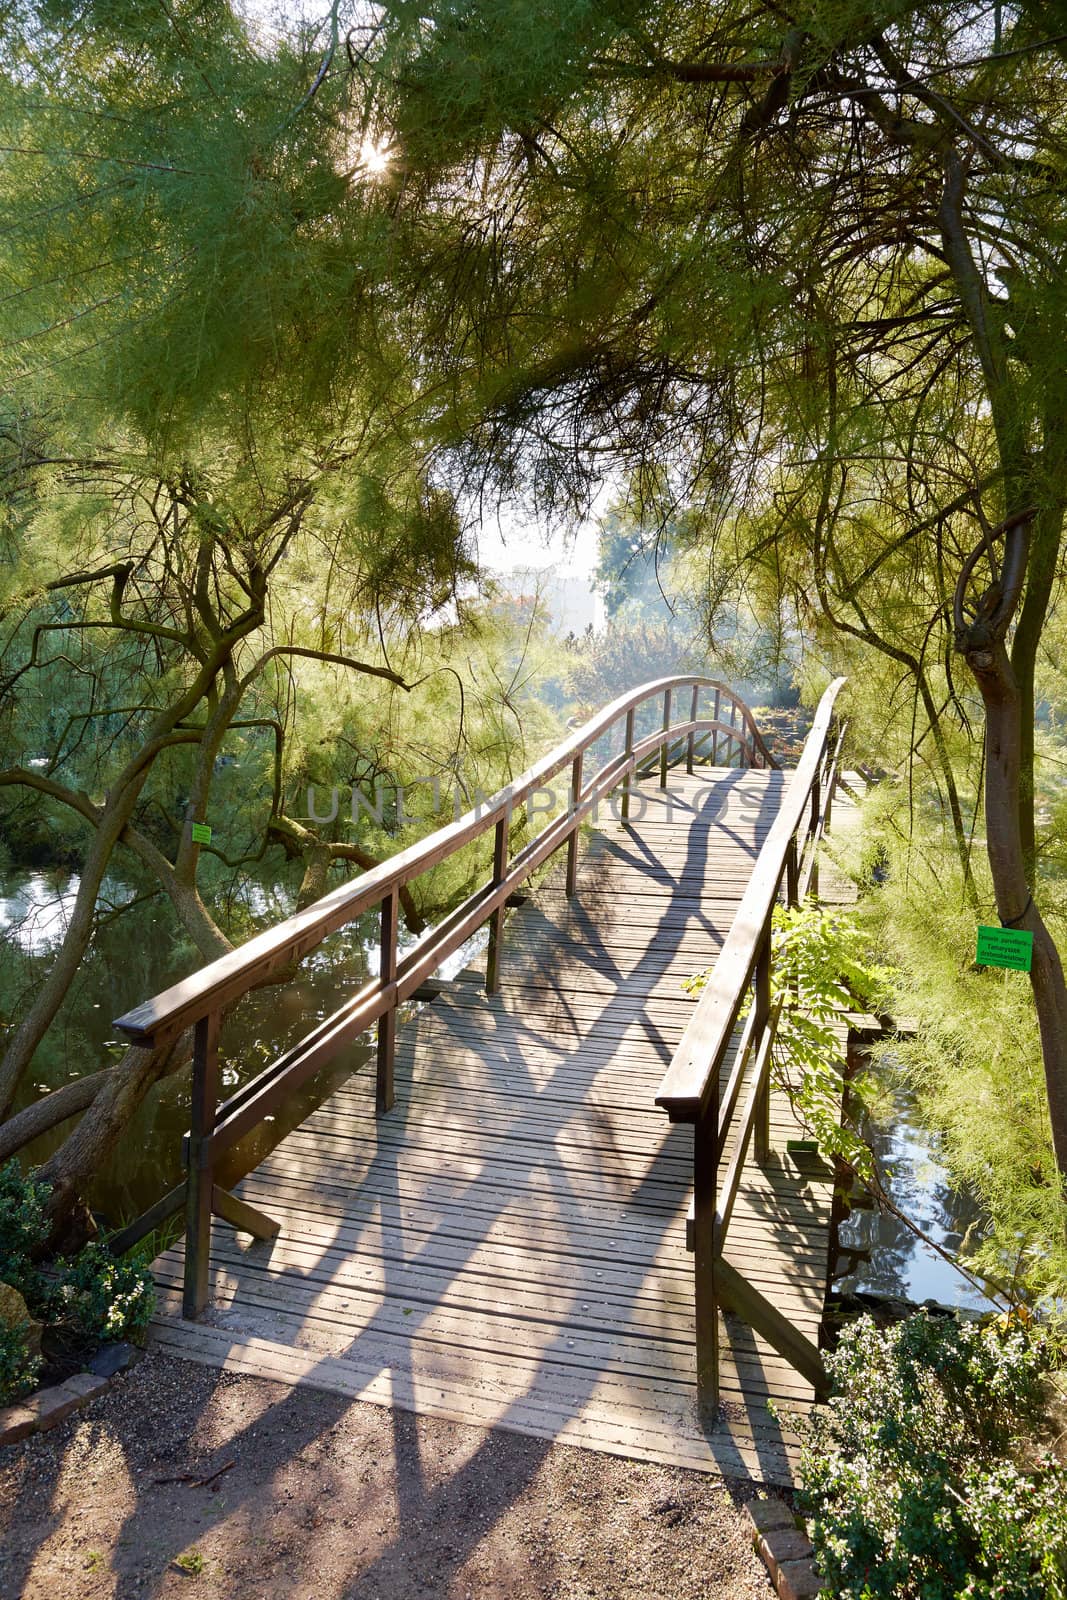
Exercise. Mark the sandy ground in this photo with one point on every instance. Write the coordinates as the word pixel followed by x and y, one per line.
pixel 330 1499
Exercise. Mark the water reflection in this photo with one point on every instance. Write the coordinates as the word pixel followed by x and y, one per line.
pixel 900 1264
pixel 133 957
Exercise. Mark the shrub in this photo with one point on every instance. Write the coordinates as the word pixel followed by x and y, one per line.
pixel 100 1298
pixel 22 1228
pixel 19 1370
pixel 912 1475
pixel 90 1298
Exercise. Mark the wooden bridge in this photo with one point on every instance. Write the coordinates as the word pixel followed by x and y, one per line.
pixel 501 1225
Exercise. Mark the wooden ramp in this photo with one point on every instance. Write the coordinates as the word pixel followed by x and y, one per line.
pixel 507 1246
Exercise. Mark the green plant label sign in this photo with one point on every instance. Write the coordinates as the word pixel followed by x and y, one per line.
pixel 1005 947
pixel 202 835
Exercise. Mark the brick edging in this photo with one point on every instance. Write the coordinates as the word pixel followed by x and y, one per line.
pixel 46 1407
pixel 781 1539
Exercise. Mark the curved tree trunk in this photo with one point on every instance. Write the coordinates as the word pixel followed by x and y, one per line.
pixel 1004 708
pixel 84 1151
pixel 38 1019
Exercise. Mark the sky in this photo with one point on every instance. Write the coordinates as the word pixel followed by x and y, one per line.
pixel 506 542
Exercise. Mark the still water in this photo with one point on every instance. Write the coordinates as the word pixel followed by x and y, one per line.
pixel 137 954
pixel 917 1181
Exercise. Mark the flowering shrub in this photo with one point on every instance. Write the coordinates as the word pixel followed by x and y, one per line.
pixel 913 1476
pixel 83 1301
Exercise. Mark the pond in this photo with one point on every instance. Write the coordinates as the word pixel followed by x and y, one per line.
pixel 138 953
pixel 901 1265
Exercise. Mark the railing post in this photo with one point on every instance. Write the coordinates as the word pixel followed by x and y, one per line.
pixel 199 1180
pixel 831 754
pixel 733 737
pixel 813 877
pixel 690 751
pixel 664 751
pixel 705 1184
pixel 715 734
pixel 628 780
pixel 496 921
pixel 761 1127
pixel 384 1092
pixel 792 875
pixel 572 842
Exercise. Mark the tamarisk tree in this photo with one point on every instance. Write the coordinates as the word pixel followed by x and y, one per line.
pixel 151 623
pixel 799 279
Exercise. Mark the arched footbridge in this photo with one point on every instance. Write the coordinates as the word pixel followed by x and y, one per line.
pixel 560 1201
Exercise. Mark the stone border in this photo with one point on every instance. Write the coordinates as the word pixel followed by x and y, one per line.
pixel 781 1540
pixel 46 1407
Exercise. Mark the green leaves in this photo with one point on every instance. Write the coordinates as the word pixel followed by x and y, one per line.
pixel 87 1299
pixel 914 1475
pixel 819 970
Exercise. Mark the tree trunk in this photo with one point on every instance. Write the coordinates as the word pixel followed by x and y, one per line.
pixel 70 1170
pixel 50 996
pixel 1005 711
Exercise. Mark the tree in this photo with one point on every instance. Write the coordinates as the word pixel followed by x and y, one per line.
pixel 801 275
pixel 795 276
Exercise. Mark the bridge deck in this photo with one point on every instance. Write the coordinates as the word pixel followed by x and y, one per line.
pixel 507 1246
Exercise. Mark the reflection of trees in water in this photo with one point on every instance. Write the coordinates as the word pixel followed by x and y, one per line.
pixel 140 953
pixel 900 1264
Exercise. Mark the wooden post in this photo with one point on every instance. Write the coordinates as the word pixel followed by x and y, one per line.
pixel 813 880
pixel 384 1092
pixel 828 806
pixel 664 749
pixel 572 842
pixel 628 780
pixel 496 921
pixel 715 735
pixel 691 743
pixel 198 1185
pixel 792 875
pixel 705 1183
pixel 761 1127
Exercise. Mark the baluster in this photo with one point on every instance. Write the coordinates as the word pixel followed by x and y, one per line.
pixel 664 749
pixel 715 734
pixel 384 1092
pixel 572 842
pixel 761 1127
pixel 628 780
pixel 705 1250
pixel 792 874
pixel 198 1162
pixel 496 921
pixel 690 752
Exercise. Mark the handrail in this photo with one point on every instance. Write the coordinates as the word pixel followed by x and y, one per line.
pixel 225 979
pixel 689 1091
pixel 693 1074
pixel 200 1001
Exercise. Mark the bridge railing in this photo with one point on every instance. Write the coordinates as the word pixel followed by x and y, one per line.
pixel 690 1090
pixel 199 1002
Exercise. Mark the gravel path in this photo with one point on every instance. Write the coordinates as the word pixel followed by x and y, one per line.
pixel 329 1499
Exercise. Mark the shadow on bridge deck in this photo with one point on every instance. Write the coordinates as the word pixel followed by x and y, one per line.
pixel 507 1246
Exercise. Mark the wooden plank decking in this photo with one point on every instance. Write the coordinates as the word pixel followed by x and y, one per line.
pixel 507 1246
